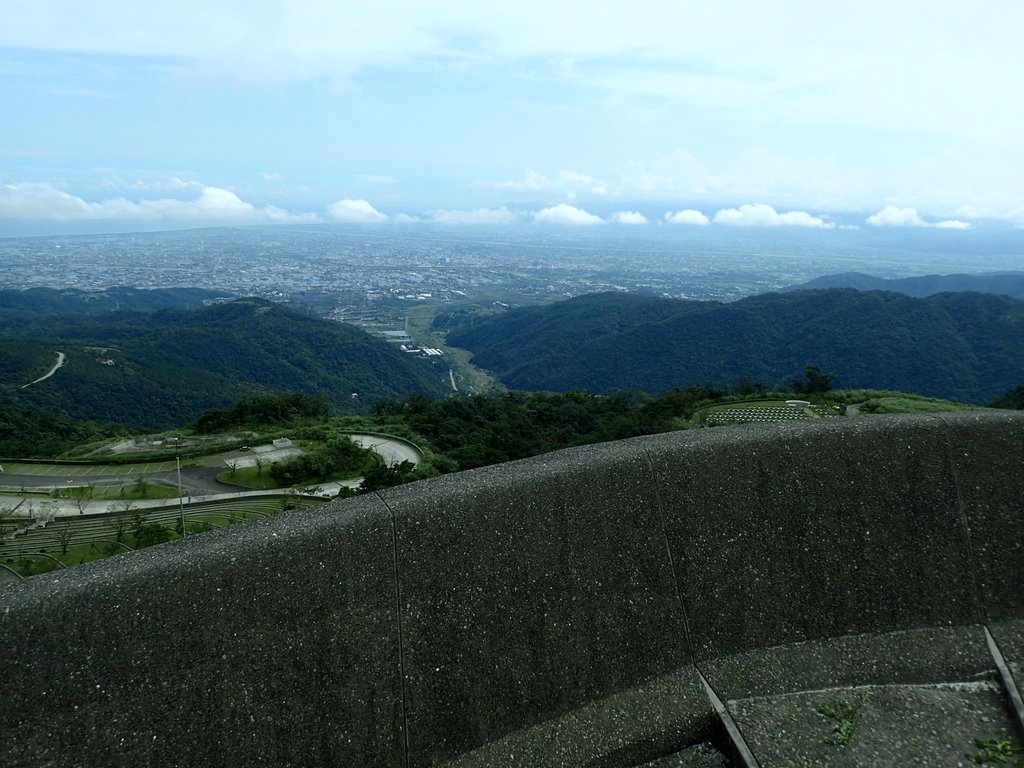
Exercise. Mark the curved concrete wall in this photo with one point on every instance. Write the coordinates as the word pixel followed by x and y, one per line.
pixel 550 611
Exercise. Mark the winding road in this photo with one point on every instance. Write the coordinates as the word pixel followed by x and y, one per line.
pixel 195 480
pixel 61 357
pixel 392 451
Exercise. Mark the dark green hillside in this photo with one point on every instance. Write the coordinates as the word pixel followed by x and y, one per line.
pixel 157 369
pixel 1012 400
pixel 32 434
pixel 23 361
pixel 967 347
pixel 1005 283
pixel 71 301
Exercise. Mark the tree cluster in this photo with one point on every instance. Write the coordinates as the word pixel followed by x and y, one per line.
pixel 960 346
pixel 264 410
pixel 338 456
pixel 477 431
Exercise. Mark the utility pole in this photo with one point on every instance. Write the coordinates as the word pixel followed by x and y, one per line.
pixel 181 500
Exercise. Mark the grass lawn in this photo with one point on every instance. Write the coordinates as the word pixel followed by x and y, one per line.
pixel 86 470
pixel 132 491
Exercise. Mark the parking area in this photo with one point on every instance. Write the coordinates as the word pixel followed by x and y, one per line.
pixel 90 470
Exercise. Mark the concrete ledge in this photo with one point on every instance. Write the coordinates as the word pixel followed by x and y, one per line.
pixel 529 593
pixel 272 643
pixel 846 527
pixel 556 608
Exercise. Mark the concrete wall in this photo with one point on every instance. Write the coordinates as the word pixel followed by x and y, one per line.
pixel 554 610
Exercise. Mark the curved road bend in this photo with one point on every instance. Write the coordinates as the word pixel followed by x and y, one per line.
pixel 202 481
pixel 61 357
pixel 392 451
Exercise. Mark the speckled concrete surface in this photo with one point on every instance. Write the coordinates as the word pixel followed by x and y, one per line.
pixel 556 588
pixel 983 454
pixel 698 756
pixel 541 604
pixel 658 718
pixel 851 526
pixel 882 726
pixel 268 644
pixel 904 656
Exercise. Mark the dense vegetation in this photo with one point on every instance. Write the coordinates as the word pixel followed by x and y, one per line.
pixel 288 408
pixel 476 431
pixel 1014 399
pixel 961 346
pixel 1005 283
pixel 71 301
pixel 157 369
pixel 336 456
pixel 31 434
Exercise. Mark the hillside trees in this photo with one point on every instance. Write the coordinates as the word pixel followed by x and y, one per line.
pixel 160 369
pixel 1012 400
pixel 337 456
pixel 960 346
pixel 814 381
pixel 265 410
pixel 478 431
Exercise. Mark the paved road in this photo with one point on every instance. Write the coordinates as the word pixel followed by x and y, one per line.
pixel 393 451
pixel 195 481
pixel 60 361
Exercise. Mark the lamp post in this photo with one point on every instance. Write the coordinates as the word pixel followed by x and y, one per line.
pixel 181 500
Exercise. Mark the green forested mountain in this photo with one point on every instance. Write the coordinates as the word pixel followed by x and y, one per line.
pixel 66 301
pixel 163 368
pixel 1012 400
pixel 963 346
pixel 30 433
pixel 476 431
pixel 1005 283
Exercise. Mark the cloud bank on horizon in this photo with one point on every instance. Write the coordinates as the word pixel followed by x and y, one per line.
pixel 737 114
pixel 35 201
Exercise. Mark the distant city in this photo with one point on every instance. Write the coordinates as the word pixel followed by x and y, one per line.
pixel 380 276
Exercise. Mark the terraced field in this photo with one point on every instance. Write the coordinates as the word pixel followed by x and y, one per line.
pixel 75 539
pixel 764 413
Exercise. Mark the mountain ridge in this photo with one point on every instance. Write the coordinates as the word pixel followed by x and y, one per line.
pixel 962 346
pixel 162 368
pixel 1004 283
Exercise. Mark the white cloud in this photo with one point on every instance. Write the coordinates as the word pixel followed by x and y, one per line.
pixel 953 224
pixel 566 214
pixel 687 216
pixel 891 216
pixel 500 215
pixel 44 201
pixel 628 217
pixel 355 212
pixel 271 176
pixel 405 218
pixel 761 215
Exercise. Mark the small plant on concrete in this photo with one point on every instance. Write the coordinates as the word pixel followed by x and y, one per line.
pixel 844 717
pixel 993 752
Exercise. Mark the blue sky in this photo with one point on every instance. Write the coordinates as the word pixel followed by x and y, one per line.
pixel 796 114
